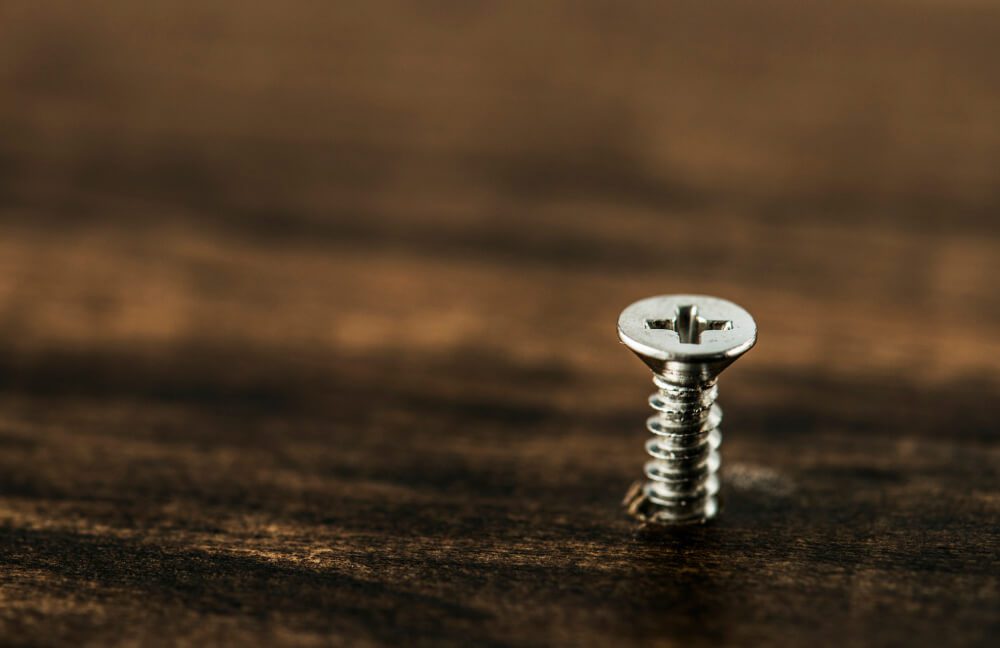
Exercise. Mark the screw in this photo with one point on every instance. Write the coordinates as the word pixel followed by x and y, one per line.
pixel 687 340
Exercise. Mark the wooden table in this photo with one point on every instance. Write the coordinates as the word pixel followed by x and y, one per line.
pixel 308 321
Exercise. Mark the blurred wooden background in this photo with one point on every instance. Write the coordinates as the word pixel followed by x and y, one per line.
pixel 307 320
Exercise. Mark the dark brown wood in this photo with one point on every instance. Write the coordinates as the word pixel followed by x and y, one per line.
pixel 307 320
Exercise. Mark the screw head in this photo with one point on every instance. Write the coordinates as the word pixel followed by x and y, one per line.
pixel 680 329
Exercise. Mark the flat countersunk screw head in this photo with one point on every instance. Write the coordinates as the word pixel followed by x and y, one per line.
pixel 686 329
pixel 687 340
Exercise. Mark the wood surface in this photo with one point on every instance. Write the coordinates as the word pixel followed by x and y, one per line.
pixel 307 320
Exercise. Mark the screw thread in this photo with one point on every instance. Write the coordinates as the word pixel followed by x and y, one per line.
pixel 682 482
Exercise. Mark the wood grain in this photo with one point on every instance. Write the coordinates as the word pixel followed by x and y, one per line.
pixel 307 321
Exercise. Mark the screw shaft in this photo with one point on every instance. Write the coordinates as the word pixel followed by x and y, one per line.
pixel 682 483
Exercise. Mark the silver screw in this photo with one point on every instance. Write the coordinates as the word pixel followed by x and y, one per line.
pixel 687 340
